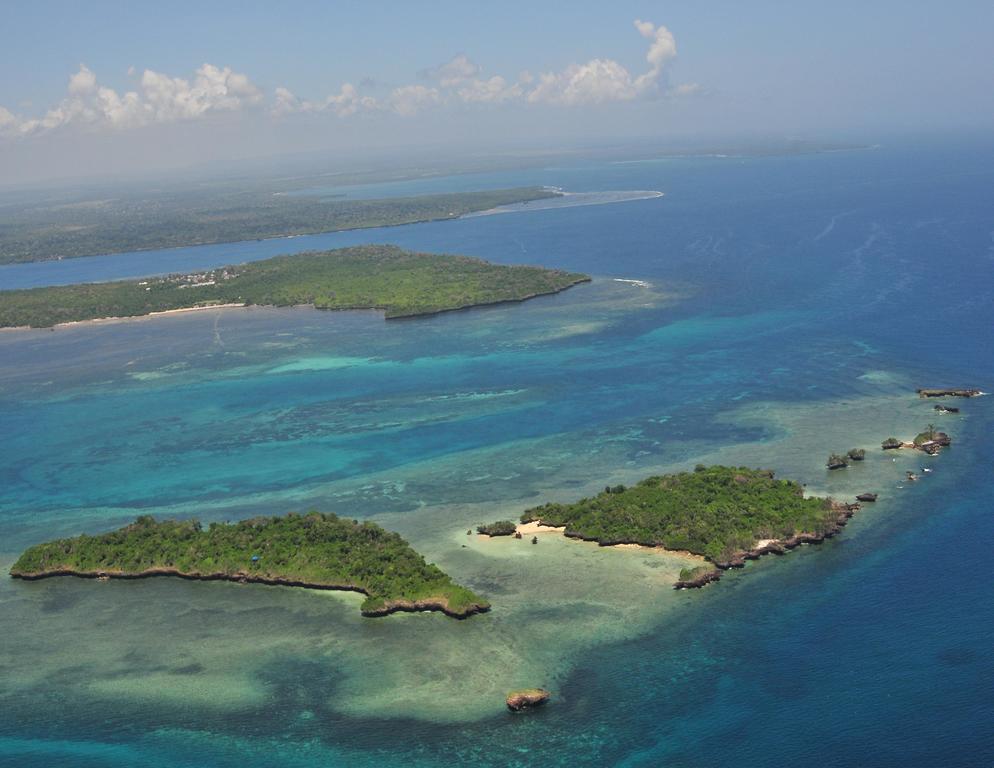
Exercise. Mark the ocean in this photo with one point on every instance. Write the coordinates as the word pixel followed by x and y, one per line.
pixel 765 311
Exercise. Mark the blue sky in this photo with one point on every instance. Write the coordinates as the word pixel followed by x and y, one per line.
pixel 490 71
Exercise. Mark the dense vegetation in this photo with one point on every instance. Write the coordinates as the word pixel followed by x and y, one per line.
pixel 927 436
pixel 314 549
pixel 220 215
pixel 399 282
pixel 500 528
pixel 890 443
pixel 712 511
pixel 856 454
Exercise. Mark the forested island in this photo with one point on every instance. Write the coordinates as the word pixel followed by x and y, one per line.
pixel 401 283
pixel 314 550
pixel 225 214
pixel 724 514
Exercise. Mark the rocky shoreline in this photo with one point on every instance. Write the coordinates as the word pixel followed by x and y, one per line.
pixel 776 547
pixel 738 560
pixel 390 606
pixel 482 304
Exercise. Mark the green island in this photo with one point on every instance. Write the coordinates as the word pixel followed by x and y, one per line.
pixel 725 514
pixel 401 283
pixel 141 221
pixel 314 550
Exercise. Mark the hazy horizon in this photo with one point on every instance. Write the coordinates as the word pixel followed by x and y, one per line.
pixel 121 89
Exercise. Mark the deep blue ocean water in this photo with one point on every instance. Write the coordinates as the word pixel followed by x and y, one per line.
pixel 787 285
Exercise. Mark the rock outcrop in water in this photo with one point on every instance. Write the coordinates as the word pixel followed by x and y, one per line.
pixel 527 698
pixel 949 392
pixel 835 461
pixel 695 578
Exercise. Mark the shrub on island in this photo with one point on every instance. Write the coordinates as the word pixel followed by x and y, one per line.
pixel 499 528
pixel 856 454
pixel 931 435
pixel 890 443
pixel 835 461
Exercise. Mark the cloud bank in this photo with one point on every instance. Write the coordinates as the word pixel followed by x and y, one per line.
pixel 160 98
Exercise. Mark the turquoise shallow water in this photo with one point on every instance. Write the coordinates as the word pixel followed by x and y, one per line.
pixel 793 306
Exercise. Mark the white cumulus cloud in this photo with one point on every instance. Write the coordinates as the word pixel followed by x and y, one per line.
pixel 346 102
pixel 455 71
pixel 83 82
pixel 161 98
pixel 410 99
pixel 605 80
pixel 596 82
pixel 495 90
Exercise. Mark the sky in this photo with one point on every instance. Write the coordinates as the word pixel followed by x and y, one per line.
pixel 104 87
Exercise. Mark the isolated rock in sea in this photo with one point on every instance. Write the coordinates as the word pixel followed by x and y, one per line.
pixel 835 461
pixel 527 698
pixel 698 578
pixel 949 392
pixel 866 497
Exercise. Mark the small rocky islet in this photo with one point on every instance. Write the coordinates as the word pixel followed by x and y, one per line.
pixel 924 393
pixel 526 698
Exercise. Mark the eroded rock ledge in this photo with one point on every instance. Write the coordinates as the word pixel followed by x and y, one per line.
pixel 949 392
pixel 440 604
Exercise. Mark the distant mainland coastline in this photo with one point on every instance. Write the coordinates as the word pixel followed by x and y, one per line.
pixel 196 216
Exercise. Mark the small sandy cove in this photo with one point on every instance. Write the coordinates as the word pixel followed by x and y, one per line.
pixel 533 529
pixel 530 529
